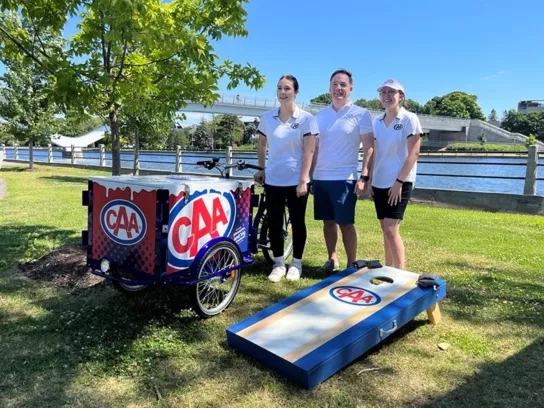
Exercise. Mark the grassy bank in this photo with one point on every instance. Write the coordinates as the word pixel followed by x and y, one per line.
pixel 96 347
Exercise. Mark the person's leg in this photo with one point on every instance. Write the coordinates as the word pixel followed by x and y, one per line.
pixel 349 239
pixel 394 247
pixel 324 211
pixel 297 214
pixel 275 208
pixel 345 203
pixel 392 217
pixel 330 232
pixel 387 248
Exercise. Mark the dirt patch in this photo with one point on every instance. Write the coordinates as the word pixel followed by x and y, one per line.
pixel 64 267
pixel 3 189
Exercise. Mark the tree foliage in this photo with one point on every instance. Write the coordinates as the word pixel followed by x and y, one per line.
pixel 531 123
pixel 455 104
pixel 24 105
pixel 123 48
pixel 323 99
pixel 493 115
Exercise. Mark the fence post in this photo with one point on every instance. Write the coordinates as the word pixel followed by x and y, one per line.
pixel 530 174
pixel 178 159
pixel 136 171
pixel 16 152
pixel 102 155
pixel 73 154
pixel 49 153
pixel 3 149
pixel 229 160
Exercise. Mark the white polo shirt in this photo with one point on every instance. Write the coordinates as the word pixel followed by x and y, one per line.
pixel 391 145
pixel 286 145
pixel 339 141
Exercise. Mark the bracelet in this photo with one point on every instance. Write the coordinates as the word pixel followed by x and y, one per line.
pixel 399 181
pixel 365 178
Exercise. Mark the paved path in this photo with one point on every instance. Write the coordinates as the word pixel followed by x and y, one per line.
pixel 3 189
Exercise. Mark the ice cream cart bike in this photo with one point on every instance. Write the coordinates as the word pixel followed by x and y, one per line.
pixel 197 231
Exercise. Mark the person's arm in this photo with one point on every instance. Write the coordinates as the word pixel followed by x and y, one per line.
pixel 366 129
pixel 368 154
pixel 261 157
pixel 307 160
pixel 413 146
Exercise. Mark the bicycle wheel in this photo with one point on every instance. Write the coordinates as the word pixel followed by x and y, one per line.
pixel 129 289
pixel 286 234
pixel 212 296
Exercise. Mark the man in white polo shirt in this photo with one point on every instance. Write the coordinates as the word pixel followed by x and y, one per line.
pixel 342 128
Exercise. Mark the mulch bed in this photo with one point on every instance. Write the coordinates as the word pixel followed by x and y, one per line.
pixel 63 267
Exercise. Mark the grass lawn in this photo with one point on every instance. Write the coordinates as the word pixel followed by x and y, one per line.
pixel 96 347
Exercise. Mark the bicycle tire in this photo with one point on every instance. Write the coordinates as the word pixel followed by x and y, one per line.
pixel 287 236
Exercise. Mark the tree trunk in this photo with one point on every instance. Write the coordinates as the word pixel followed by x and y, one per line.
pixel 31 154
pixel 115 145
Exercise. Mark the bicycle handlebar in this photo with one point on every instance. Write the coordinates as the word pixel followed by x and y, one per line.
pixel 241 165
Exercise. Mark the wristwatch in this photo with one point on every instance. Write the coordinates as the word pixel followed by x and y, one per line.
pixel 399 181
pixel 365 178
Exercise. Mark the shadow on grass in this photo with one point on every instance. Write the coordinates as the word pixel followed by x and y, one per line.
pixel 17 240
pixel 93 327
pixel 67 179
pixel 515 382
pixel 519 302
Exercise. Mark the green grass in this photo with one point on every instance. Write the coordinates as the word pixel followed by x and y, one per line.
pixel 98 348
pixel 488 147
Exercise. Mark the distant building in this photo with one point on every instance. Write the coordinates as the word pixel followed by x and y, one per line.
pixel 530 106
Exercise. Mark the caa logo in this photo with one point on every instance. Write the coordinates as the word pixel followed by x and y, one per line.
pixel 209 214
pixel 123 222
pixel 354 295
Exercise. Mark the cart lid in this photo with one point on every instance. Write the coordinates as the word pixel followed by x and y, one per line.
pixel 173 183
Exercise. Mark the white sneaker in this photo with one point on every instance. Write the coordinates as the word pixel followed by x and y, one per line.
pixel 294 273
pixel 277 273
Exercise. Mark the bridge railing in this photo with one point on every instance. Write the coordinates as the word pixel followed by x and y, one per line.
pixel 184 162
pixel 255 101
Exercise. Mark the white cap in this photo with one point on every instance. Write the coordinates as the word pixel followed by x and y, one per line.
pixel 392 83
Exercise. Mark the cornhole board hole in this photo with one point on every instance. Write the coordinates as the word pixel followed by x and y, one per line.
pixel 314 333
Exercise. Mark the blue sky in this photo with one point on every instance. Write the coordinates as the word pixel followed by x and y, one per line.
pixel 493 49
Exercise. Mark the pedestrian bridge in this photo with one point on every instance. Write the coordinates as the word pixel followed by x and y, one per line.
pixel 256 106
pixel 81 141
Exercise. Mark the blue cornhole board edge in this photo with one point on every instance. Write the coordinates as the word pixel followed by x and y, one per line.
pixel 329 358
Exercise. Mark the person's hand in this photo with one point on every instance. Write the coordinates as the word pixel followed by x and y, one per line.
pixel 360 187
pixel 302 189
pixel 259 177
pixel 394 194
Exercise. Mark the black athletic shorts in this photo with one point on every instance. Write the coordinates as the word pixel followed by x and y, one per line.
pixel 384 210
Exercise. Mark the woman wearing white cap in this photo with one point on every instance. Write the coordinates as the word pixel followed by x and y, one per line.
pixel 395 152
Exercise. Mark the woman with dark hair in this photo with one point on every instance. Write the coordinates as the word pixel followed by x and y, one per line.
pixel 395 148
pixel 289 133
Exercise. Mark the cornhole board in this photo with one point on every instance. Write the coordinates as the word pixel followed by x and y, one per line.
pixel 314 333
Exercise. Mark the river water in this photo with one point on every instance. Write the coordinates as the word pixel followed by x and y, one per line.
pixel 440 172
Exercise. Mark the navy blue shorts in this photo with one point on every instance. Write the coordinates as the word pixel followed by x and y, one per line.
pixel 334 200
pixel 384 210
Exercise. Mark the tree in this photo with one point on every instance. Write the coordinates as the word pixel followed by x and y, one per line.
pixel 228 129
pixel 455 104
pixel 203 137
pixel 128 47
pixel 493 115
pixel 24 105
pixel 531 123
pixel 373 104
pixel 323 99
